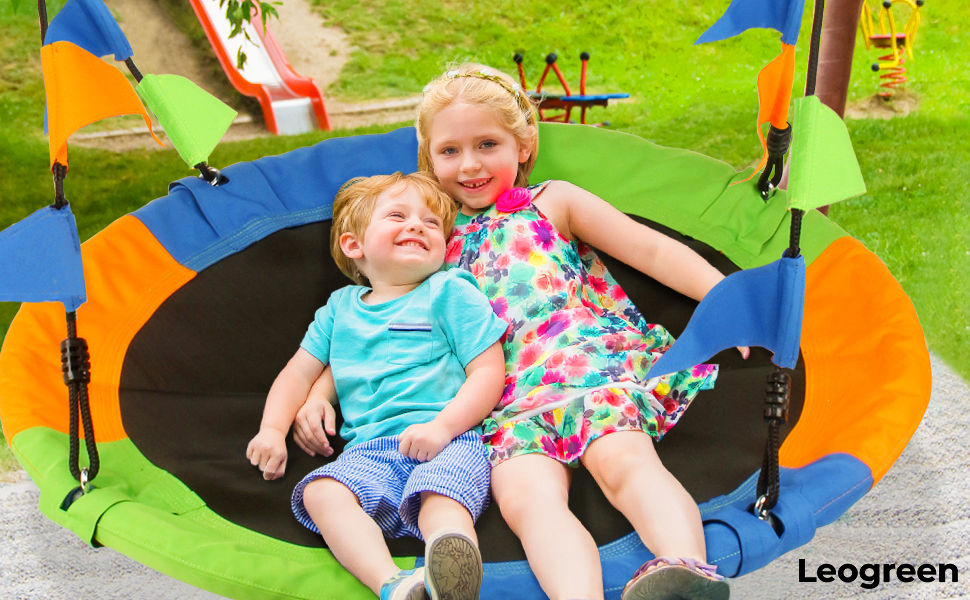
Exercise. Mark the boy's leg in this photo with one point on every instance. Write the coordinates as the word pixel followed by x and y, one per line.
pixel 626 467
pixel 532 491
pixel 452 561
pixel 351 534
pixel 443 497
pixel 441 512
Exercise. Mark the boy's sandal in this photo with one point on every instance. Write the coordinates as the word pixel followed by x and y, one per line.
pixel 453 566
pixel 406 585
pixel 676 579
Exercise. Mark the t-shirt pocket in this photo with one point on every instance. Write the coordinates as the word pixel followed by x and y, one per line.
pixel 408 343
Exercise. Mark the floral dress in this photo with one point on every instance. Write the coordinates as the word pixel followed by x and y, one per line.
pixel 576 349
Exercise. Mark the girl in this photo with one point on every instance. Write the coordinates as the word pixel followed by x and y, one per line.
pixel 576 349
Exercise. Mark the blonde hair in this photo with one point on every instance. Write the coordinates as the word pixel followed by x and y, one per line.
pixel 480 85
pixel 354 204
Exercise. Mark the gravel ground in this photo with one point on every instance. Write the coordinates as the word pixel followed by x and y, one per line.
pixel 919 513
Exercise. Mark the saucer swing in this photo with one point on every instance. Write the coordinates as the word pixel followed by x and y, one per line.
pixel 191 305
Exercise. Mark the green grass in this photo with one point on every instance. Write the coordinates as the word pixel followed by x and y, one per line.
pixel 699 97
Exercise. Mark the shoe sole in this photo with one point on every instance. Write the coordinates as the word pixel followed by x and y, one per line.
pixel 453 568
pixel 677 584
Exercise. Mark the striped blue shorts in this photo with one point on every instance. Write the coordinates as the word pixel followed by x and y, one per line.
pixel 389 484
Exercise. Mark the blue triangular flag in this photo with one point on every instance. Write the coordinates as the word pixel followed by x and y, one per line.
pixel 90 25
pixel 40 260
pixel 756 307
pixel 783 15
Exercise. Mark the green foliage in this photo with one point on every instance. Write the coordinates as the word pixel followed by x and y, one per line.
pixel 240 14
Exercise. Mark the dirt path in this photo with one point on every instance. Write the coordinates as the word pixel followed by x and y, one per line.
pixel 312 48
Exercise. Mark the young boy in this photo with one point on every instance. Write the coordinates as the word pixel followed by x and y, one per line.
pixel 416 364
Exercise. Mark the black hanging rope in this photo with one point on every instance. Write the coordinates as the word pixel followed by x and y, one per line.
pixel 76 368
pixel 778 390
pixel 795 234
pixel 75 359
pixel 60 172
pixel 133 69
pixel 42 15
pixel 777 399
pixel 814 48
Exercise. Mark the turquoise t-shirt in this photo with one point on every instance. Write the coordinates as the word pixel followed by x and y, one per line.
pixel 401 362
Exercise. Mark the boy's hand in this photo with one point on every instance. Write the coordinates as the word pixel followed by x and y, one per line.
pixel 424 441
pixel 268 452
pixel 315 420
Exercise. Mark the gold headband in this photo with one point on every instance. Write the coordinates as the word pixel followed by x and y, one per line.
pixel 489 75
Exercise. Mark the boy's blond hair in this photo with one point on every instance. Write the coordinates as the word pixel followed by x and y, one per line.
pixel 480 85
pixel 353 208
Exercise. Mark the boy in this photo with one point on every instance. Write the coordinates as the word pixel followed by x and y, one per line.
pixel 416 363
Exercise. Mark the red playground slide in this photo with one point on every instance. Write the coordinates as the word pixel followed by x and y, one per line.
pixel 291 103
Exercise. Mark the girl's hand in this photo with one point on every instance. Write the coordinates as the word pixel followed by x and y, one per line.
pixel 424 441
pixel 314 421
pixel 268 452
pixel 745 352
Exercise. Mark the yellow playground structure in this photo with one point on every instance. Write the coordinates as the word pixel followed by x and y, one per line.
pixel 890 37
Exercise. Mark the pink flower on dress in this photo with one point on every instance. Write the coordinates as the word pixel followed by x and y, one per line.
pixel 556 324
pixel 553 377
pixel 478 271
pixel 577 365
pixel 546 282
pixel 528 356
pixel 521 247
pixel 455 246
pixel 631 411
pixel 543 234
pixel 599 285
pixel 611 398
pixel 502 262
pixel 702 370
pixel 617 293
pixel 555 361
pixel 671 405
pixel 513 200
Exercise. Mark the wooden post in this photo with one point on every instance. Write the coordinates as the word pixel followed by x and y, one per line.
pixel 839 26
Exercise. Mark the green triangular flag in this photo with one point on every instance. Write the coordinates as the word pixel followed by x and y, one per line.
pixel 193 119
pixel 823 169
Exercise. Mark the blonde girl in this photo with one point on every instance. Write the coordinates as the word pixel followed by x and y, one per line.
pixel 576 349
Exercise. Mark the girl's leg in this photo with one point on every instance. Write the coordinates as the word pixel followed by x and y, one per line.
pixel 354 538
pixel 532 492
pixel 626 467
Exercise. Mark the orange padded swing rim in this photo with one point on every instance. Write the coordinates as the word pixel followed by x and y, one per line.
pixel 132 274
pixel 859 379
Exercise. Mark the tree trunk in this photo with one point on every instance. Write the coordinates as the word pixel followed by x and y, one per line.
pixel 839 26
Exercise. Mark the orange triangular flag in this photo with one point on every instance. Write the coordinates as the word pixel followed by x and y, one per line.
pixel 774 95
pixel 82 89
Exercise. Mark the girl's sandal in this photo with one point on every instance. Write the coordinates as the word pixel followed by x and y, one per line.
pixel 676 579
